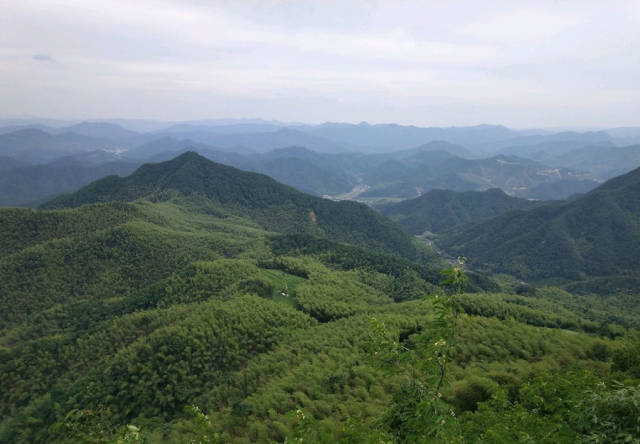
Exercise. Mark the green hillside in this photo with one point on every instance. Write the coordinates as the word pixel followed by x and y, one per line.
pixel 594 236
pixel 444 210
pixel 181 304
pixel 274 206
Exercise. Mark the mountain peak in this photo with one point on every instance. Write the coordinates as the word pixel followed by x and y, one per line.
pixel 593 235
pixel 275 206
pixel 189 174
pixel 439 211
pixel 191 156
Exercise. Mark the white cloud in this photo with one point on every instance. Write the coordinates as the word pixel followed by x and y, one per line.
pixel 504 61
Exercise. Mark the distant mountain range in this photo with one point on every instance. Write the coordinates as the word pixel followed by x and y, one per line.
pixel 31 185
pixel 388 137
pixel 260 135
pixel 371 163
pixel 34 146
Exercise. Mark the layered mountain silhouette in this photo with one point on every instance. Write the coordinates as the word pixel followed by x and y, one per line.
pixel 273 205
pixel 366 162
pixel 602 161
pixel 36 146
pixel 34 184
pixel 595 235
pixel 425 171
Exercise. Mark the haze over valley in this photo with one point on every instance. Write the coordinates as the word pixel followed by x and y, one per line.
pixel 380 162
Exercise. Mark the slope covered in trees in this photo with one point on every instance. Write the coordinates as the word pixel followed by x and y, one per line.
pixel 150 314
pixel 275 206
pixel 443 210
pixel 158 308
pixel 594 236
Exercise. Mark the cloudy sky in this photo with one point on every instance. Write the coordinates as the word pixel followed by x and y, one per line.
pixel 519 63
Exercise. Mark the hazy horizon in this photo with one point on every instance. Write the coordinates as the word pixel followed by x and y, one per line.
pixel 551 65
pixel 222 120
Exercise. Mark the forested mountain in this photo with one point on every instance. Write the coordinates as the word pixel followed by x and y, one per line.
pixel 308 171
pixel 444 210
pixel 203 279
pixel 134 320
pixel 594 237
pixel 191 301
pixel 273 205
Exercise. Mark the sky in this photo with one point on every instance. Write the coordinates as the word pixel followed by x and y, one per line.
pixel 519 63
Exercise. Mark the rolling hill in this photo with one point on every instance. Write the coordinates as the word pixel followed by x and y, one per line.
pixel 193 302
pixel 275 206
pixel 443 210
pixel 594 237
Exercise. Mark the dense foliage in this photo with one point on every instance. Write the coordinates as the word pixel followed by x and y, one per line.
pixel 177 317
pixel 275 206
pixel 444 210
pixel 594 236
